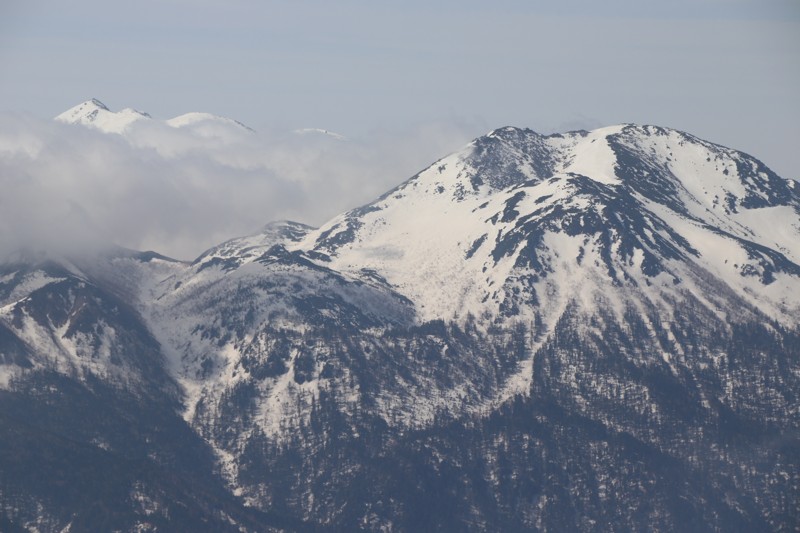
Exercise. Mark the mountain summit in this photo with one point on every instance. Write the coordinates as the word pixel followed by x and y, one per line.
pixel 94 113
pixel 582 331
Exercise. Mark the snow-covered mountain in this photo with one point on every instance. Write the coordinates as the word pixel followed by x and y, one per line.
pixel 589 330
pixel 518 219
pixel 95 114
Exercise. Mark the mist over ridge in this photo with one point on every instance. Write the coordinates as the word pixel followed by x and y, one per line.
pixel 181 185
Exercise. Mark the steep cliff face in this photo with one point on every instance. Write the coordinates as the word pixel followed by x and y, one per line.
pixel 591 330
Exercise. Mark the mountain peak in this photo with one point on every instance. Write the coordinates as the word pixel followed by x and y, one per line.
pixel 96 114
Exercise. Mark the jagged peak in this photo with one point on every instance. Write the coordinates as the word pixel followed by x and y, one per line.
pixel 96 114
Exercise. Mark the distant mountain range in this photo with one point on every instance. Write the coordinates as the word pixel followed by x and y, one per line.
pixel 587 331
pixel 95 114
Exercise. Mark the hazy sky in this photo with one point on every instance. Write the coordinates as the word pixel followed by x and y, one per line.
pixel 438 72
pixel 726 70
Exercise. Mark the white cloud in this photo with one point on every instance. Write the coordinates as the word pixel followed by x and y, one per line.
pixel 179 191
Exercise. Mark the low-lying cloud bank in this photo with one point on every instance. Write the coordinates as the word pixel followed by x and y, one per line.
pixel 181 190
